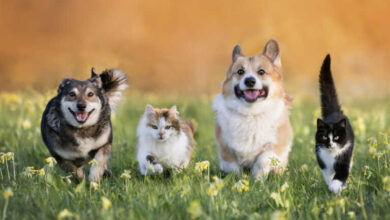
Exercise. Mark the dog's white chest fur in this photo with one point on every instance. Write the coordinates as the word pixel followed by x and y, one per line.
pixel 85 145
pixel 247 135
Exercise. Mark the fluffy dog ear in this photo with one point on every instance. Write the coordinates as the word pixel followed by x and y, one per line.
pixel 64 82
pixel 93 73
pixel 236 52
pixel 272 51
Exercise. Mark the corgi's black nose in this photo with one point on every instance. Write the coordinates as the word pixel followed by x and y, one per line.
pixel 250 81
pixel 81 106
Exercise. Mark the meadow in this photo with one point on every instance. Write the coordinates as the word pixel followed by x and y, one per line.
pixel 35 188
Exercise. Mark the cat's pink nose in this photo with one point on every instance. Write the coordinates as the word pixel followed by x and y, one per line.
pixel 161 134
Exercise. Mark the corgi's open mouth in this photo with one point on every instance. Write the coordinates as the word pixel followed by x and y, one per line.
pixel 81 117
pixel 251 95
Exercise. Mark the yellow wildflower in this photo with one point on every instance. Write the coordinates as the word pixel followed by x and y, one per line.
pixel 284 187
pixel 29 171
pixel 94 185
pixel 212 191
pixel 64 214
pixel 51 161
pixel 218 182
pixel 195 209
pixel 274 162
pixel 41 172
pixel 201 166
pixel 9 156
pixel 2 158
pixel 126 174
pixel 7 193
pixel 26 124
pixel 241 185
pixel 92 162
pixel 106 203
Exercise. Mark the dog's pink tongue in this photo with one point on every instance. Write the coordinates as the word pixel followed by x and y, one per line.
pixel 251 94
pixel 82 116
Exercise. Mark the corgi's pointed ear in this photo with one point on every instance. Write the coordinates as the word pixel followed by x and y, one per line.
pixel 173 110
pixel 321 124
pixel 272 51
pixel 93 73
pixel 64 82
pixel 236 52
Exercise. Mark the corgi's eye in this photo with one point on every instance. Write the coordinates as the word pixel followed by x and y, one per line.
pixel 324 138
pixel 168 127
pixel 261 72
pixel 90 94
pixel 154 127
pixel 240 71
pixel 72 94
pixel 336 138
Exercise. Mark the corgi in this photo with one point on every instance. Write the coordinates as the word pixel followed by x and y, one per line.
pixel 252 125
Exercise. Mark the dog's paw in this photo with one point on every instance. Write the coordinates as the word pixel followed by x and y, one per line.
pixel 336 186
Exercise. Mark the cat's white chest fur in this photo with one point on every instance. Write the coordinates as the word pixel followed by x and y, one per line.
pixel 248 135
pixel 328 158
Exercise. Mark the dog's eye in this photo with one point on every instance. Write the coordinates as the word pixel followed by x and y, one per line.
pixel 336 138
pixel 90 94
pixel 72 94
pixel 324 138
pixel 167 127
pixel 240 71
pixel 154 127
pixel 261 72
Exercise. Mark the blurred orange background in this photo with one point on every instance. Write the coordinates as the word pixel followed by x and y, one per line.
pixel 183 46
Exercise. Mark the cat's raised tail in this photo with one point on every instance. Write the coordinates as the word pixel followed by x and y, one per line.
pixel 329 102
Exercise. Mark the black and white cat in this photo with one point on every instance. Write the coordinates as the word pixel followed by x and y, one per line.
pixel 334 137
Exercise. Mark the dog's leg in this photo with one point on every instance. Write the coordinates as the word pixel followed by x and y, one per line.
pixel 227 161
pixel 97 170
pixel 69 167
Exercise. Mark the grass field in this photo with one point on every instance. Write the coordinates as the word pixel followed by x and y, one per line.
pixel 300 193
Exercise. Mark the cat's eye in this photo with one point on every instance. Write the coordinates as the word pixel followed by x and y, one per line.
pixel 154 126
pixel 324 138
pixel 240 71
pixel 72 94
pixel 336 138
pixel 90 94
pixel 261 72
pixel 168 127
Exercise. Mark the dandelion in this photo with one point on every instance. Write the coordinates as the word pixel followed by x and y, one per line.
pixel 92 162
pixel 284 187
pixel 274 162
pixel 51 161
pixel 201 166
pixel 7 193
pixel 106 203
pixel 64 214
pixel 41 172
pixel 94 186
pixel 241 185
pixel 386 183
pixel 195 210
pixel 304 168
pixel 26 124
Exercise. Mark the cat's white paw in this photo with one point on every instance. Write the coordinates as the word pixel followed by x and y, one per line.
pixel 336 186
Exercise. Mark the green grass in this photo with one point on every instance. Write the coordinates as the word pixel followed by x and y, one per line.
pixel 307 196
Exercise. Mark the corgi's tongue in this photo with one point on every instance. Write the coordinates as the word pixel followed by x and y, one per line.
pixel 251 94
pixel 82 116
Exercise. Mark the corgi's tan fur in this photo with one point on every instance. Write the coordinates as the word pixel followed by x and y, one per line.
pixel 253 128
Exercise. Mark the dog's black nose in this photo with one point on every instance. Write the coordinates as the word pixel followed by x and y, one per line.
pixel 250 82
pixel 81 106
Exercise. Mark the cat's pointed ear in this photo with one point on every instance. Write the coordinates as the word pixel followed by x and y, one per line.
pixel 320 123
pixel 272 51
pixel 149 109
pixel 173 110
pixel 236 52
pixel 343 123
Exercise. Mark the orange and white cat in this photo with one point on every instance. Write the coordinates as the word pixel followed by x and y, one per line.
pixel 165 141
